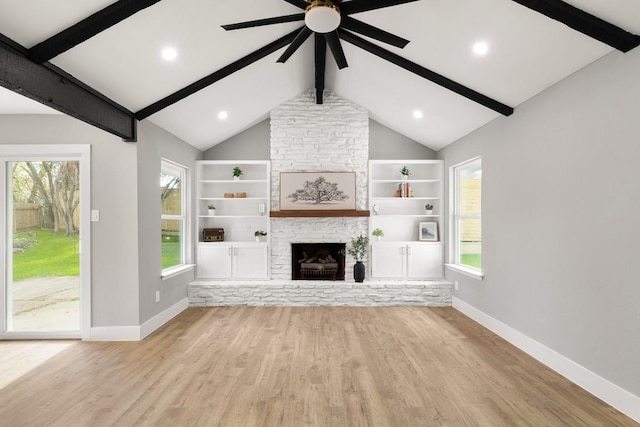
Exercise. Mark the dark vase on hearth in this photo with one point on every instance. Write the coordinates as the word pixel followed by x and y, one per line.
pixel 358 271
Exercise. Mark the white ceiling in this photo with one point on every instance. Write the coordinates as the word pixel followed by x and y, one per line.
pixel 528 53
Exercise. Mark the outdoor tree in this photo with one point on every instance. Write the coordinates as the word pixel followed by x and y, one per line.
pixel 68 181
pixel 54 186
pixel 319 191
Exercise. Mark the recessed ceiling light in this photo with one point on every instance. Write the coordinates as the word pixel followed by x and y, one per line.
pixel 169 53
pixel 480 48
pixel 417 114
pixel 222 115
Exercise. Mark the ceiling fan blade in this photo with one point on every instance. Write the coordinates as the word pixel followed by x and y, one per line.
pixel 321 58
pixel 336 48
pixel 373 32
pixel 300 3
pixel 266 21
pixel 356 6
pixel 304 33
pixel 426 73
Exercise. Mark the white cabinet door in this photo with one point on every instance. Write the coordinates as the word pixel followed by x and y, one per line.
pixel 388 260
pixel 250 261
pixel 214 261
pixel 424 261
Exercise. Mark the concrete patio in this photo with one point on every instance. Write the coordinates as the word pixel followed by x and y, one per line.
pixel 46 304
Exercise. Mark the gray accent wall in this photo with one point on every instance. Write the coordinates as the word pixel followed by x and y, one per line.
pixel 125 243
pixel 387 144
pixel 253 144
pixel 560 202
pixel 114 246
pixel 155 144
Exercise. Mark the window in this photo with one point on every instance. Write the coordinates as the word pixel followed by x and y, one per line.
pixel 466 215
pixel 173 215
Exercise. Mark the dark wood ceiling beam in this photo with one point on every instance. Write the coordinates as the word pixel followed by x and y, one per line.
pixel 426 73
pixel 56 89
pixel 320 65
pixel 585 23
pixel 87 28
pixel 216 76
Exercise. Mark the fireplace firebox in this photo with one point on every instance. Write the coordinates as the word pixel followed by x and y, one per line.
pixel 317 261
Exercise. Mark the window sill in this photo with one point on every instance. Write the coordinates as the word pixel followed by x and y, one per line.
pixel 172 272
pixel 475 274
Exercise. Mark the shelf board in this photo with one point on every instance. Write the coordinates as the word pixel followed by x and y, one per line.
pixel 406 216
pixel 232 216
pixel 405 198
pixel 399 181
pixel 319 213
pixel 231 181
pixel 232 198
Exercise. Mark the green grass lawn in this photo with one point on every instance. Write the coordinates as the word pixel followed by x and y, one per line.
pixel 53 255
pixel 472 260
pixel 170 251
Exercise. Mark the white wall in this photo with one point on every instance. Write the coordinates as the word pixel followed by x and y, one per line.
pixel 561 196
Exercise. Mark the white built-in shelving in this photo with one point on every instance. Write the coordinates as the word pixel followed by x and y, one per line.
pixel 397 207
pixel 242 208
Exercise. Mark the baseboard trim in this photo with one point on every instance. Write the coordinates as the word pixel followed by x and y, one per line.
pixel 137 333
pixel 619 398
pixel 160 319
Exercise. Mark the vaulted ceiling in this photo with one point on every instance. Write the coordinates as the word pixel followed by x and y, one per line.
pixel 431 91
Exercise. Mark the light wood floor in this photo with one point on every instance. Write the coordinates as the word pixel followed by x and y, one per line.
pixel 245 366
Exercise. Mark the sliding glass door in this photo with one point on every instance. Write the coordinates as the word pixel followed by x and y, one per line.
pixel 43 225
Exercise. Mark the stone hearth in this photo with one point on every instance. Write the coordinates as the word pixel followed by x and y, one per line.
pixel 433 293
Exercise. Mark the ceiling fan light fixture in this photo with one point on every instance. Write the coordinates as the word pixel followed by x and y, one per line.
pixel 322 16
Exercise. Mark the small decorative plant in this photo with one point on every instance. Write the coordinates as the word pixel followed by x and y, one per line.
pixel 428 207
pixel 377 233
pixel 237 172
pixel 405 171
pixel 358 247
pixel 211 207
pixel 260 233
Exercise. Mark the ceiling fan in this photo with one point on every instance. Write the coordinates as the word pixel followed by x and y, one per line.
pixel 329 20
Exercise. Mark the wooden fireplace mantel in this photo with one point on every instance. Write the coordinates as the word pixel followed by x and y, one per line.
pixel 318 213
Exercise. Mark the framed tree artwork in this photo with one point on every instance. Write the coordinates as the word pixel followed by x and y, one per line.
pixel 317 190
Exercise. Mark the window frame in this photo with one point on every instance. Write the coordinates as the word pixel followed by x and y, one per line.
pixel 455 216
pixel 184 217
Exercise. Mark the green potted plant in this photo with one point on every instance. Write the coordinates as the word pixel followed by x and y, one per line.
pixel 358 249
pixel 405 172
pixel 211 209
pixel 378 234
pixel 237 172
pixel 428 208
pixel 259 235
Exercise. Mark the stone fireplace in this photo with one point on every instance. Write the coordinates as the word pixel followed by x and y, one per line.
pixel 307 137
